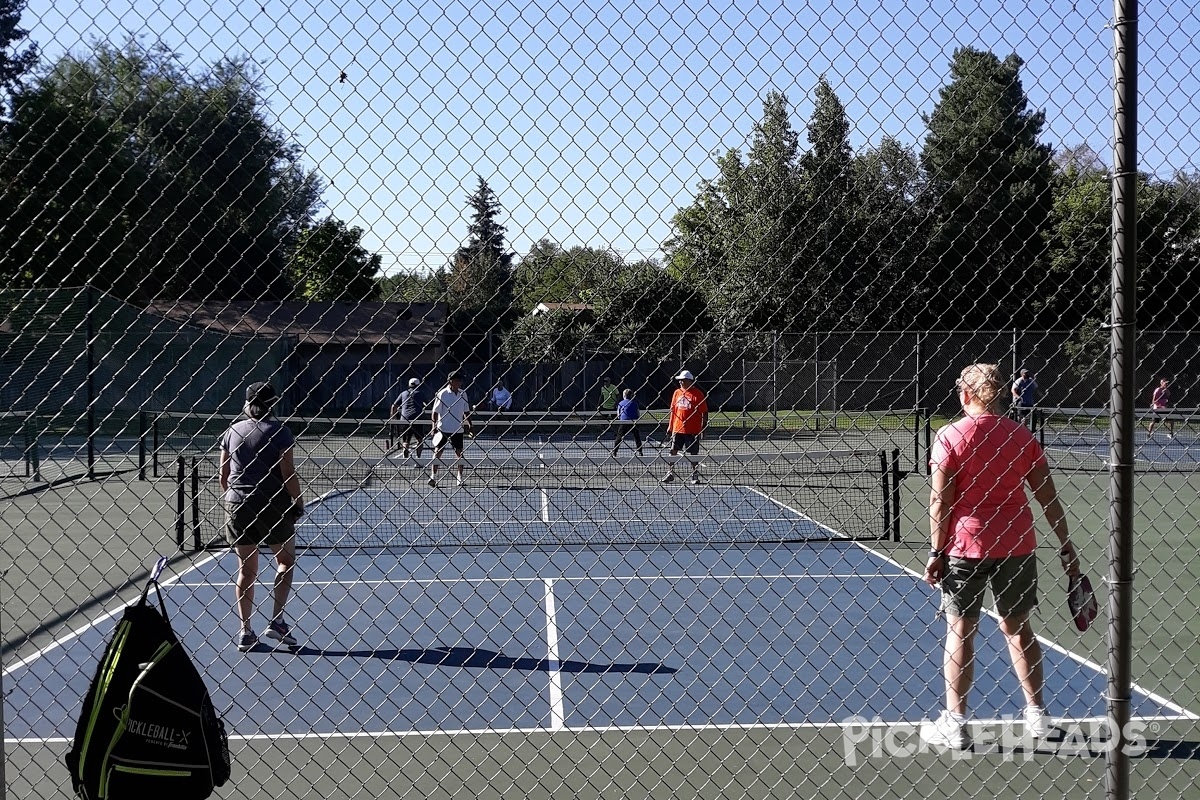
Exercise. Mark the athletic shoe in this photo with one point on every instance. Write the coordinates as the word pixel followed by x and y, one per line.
pixel 432 481
pixel 459 480
pixel 1037 722
pixel 668 478
pixel 280 632
pixel 246 640
pixel 946 731
pixel 694 480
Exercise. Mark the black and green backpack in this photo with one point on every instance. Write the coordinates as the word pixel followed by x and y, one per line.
pixel 147 724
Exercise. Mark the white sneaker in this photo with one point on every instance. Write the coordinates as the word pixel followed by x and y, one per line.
pixel 460 480
pixel 1037 722
pixel 946 731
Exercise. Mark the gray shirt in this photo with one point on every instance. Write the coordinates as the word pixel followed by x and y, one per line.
pixel 410 403
pixel 255 447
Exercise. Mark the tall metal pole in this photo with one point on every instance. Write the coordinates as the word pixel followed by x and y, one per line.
pixel 91 388
pixel 1121 425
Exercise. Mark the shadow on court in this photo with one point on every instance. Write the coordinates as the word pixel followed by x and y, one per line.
pixel 475 658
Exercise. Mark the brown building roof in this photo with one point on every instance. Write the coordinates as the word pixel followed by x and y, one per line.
pixel 316 323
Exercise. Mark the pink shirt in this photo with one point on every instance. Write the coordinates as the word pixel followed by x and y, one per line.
pixel 989 457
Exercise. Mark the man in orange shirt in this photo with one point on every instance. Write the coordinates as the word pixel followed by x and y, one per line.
pixel 689 415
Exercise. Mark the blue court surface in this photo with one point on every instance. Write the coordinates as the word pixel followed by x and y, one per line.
pixel 529 640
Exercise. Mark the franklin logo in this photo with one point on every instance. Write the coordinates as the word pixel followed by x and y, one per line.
pixel 161 735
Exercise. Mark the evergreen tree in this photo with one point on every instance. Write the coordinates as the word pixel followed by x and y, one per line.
pixel 480 280
pixel 830 280
pixel 988 194
pixel 889 235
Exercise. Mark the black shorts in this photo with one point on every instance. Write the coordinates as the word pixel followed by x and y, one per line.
pixel 455 440
pixel 407 429
pixel 259 523
pixel 685 443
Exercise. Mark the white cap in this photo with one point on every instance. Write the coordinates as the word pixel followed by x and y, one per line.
pixel 685 376
pixel 413 382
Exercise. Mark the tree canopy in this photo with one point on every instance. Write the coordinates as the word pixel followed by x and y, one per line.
pixel 124 170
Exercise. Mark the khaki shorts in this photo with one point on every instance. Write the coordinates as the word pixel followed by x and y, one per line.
pixel 1013 581
pixel 253 524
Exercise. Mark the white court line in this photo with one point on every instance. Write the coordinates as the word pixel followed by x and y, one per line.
pixel 1157 698
pixel 75 634
pixel 804 576
pixel 710 726
pixel 558 717
pixel 557 714
pixel 545 506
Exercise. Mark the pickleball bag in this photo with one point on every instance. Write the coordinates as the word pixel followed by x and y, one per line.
pixel 147 727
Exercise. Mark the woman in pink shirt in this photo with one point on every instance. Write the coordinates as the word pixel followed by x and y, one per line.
pixel 982 535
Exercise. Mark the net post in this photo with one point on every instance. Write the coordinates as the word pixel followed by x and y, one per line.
pixel 141 445
pixel 30 439
pixel 196 505
pixel 887 501
pixel 154 446
pixel 917 439
pixel 896 478
pixel 179 502
pixel 91 389
pixel 35 459
pixel 928 440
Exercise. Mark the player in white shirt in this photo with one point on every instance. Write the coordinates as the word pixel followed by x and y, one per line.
pixel 451 419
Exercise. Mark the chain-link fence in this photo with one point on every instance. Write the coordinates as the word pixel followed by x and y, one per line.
pixel 617 357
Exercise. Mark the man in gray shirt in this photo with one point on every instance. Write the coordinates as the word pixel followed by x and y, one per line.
pixel 407 411
pixel 262 502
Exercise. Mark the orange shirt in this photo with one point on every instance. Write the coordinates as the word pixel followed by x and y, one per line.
pixel 688 408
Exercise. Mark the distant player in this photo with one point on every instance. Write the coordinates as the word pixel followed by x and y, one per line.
pixel 627 416
pixel 608 395
pixel 1024 390
pixel 689 415
pixel 451 419
pixel 501 397
pixel 1160 408
pixel 407 413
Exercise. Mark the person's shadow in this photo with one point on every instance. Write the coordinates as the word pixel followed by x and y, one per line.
pixel 480 658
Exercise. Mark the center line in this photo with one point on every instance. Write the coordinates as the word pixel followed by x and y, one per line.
pixel 557 716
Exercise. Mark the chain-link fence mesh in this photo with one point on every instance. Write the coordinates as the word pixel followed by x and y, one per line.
pixel 696 286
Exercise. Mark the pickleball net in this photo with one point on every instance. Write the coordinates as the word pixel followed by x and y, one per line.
pixel 551 500
pixel 1079 439
pixel 498 436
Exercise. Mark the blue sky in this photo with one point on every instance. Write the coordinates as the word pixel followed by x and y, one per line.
pixel 594 120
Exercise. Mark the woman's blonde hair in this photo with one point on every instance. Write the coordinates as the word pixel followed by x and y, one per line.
pixel 983 380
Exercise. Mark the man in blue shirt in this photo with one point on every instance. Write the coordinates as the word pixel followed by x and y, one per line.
pixel 627 415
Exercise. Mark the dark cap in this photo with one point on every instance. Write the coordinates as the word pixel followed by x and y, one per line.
pixel 261 394
pixel 454 376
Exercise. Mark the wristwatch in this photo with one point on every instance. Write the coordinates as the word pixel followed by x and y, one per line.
pixel 938 554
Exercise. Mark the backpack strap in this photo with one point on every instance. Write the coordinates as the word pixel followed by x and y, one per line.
pixel 159 566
